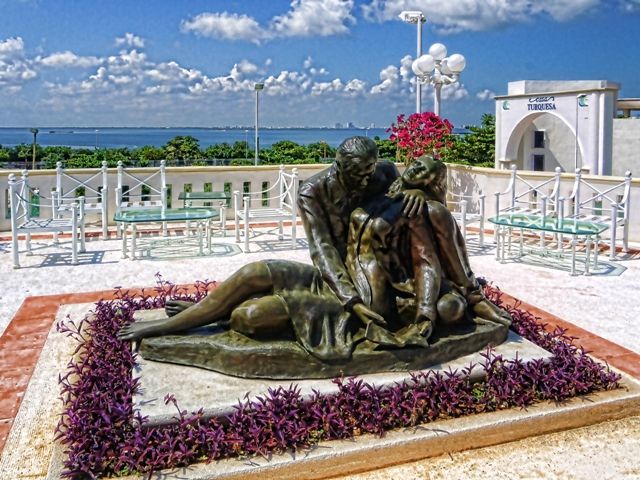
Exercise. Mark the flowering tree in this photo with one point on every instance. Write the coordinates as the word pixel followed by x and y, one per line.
pixel 421 133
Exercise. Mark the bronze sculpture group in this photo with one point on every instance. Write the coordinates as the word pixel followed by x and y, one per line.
pixel 390 269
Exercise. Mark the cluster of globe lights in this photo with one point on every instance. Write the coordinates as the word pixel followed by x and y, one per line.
pixel 436 68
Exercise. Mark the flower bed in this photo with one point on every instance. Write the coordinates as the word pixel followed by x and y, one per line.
pixel 101 438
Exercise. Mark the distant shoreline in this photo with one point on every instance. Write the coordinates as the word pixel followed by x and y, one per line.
pixel 136 137
pixel 68 127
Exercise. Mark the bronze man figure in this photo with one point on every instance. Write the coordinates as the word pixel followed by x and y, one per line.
pixel 378 242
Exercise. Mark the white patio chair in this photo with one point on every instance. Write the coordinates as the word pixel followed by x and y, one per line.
pixel 23 222
pixel 609 206
pixel 530 198
pixel 134 196
pixel 94 189
pixel 466 211
pixel 283 193
pixel 525 196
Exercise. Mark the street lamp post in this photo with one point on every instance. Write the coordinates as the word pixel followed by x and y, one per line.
pixel 246 144
pixel 96 138
pixel 436 69
pixel 418 18
pixel 257 87
pixel 33 151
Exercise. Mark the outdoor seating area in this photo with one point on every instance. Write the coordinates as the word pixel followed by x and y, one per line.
pixel 539 209
pixel 141 205
pixel 551 202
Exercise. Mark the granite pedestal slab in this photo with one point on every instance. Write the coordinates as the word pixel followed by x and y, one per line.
pixel 232 353
pixel 218 393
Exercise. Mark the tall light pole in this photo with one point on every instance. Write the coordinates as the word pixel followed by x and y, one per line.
pixel 437 69
pixel 246 144
pixel 96 138
pixel 257 87
pixel 411 16
pixel 33 151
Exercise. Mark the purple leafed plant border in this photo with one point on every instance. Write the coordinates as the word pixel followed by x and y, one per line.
pixel 104 436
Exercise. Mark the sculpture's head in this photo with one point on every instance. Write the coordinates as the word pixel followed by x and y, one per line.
pixel 356 159
pixel 422 172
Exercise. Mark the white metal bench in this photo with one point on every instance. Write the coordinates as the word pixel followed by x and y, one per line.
pixel 23 222
pixel 608 206
pixel 148 192
pixel 283 193
pixel 94 189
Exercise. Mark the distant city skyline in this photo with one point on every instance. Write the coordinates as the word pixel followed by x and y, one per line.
pixel 323 62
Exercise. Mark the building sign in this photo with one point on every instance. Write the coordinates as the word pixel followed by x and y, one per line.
pixel 541 103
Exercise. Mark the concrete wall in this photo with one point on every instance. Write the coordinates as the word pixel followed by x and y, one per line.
pixel 470 180
pixel 626 146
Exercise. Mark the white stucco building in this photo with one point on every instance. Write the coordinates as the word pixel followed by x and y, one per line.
pixel 542 124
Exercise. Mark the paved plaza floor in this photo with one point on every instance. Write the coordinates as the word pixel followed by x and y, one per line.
pixel 603 307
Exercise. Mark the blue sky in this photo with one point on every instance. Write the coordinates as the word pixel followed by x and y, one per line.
pixel 194 63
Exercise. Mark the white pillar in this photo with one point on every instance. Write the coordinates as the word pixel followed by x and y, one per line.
pixel 436 99
pixel 256 129
pixel 593 145
pixel 418 54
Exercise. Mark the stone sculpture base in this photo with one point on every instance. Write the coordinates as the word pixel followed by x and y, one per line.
pixel 234 354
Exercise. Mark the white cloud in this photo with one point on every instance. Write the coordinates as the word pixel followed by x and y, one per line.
pixel 130 85
pixel 321 88
pixel 130 40
pixel 307 63
pixel 11 47
pixel 15 68
pixel 314 18
pixel 68 59
pixel 454 92
pixel 226 26
pixel 355 87
pixel 477 15
pixel 485 95
pixel 629 6
pixel 314 71
pixel 305 18
pixel 286 83
pixel 389 77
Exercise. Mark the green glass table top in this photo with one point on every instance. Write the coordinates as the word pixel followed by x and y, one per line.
pixel 569 226
pixel 204 196
pixel 169 215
